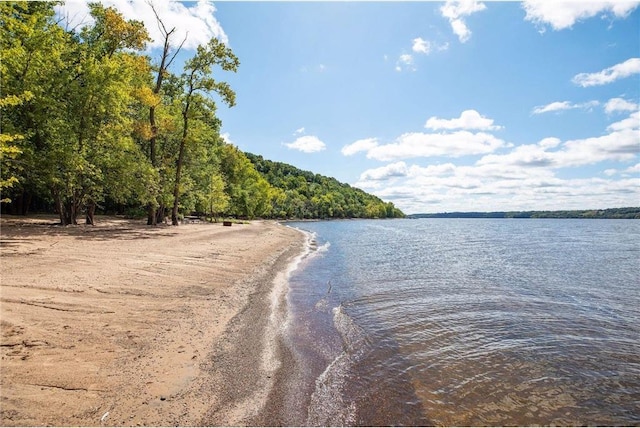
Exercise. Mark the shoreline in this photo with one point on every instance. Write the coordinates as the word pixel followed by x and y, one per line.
pixel 122 324
pixel 253 355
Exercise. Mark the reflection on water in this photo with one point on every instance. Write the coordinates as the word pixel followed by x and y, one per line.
pixel 469 322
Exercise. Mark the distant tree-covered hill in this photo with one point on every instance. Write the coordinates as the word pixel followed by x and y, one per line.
pixel 610 213
pixel 303 194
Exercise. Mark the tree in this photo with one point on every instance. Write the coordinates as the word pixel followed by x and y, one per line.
pixel 250 194
pixel 216 200
pixel 9 152
pixel 76 125
pixel 32 48
pixel 302 194
pixel 196 81
pixel 99 94
pixel 155 209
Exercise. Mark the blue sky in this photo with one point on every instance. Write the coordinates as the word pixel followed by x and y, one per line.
pixel 456 106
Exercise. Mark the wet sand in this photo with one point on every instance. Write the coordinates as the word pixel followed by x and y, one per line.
pixel 124 324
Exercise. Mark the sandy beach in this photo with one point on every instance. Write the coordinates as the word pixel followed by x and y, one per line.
pixel 125 324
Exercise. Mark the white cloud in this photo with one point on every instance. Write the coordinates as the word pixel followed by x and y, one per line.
pixel 417 144
pixel 563 105
pixel 454 11
pixel 620 104
pixel 628 124
pixel 299 131
pixel 609 172
pixel 359 146
pixel 196 21
pixel 307 144
pixel 421 46
pixel 523 178
pixel 499 187
pixel 526 155
pixel 563 14
pixel 227 138
pixel 405 62
pixel 622 143
pixel 633 169
pixel 608 75
pixel 469 119
pixel 406 59
pixel 549 142
pixel 398 169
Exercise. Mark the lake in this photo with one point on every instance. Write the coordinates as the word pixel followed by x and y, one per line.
pixel 466 322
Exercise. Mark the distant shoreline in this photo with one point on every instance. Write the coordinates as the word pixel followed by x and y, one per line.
pixel 609 213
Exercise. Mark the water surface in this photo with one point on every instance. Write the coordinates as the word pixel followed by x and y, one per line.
pixel 467 322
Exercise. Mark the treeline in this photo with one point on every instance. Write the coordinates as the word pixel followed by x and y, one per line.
pixel 610 213
pixel 303 194
pixel 90 123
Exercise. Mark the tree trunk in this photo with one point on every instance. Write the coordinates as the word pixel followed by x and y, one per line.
pixel 176 187
pixel 156 215
pixel 151 208
pixel 161 213
pixel 70 213
pixel 20 203
pixel 151 215
pixel 26 202
pixel 59 207
pixel 67 210
pixel 91 210
pixel 183 141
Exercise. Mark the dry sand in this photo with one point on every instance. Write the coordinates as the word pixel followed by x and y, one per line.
pixel 125 324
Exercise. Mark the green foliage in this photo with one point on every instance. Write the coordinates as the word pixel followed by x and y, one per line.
pixel 302 194
pixel 250 194
pixel 87 121
pixel 196 82
pixel 76 124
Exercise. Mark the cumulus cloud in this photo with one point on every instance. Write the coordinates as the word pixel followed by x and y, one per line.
pixel 504 176
pixel 363 145
pixel 299 131
pixel 523 178
pixel 630 171
pixel 608 75
pixel 195 21
pixel 398 169
pixel 455 11
pixel 421 46
pixel 418 144
pixel 496 186
pixel 629 124
pixel 561 15
pixel 307 144
pixel 469 119
pixel 622 143
pixel 620 104
pixel 564 105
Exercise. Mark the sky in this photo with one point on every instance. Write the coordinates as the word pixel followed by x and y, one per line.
pixel 434 106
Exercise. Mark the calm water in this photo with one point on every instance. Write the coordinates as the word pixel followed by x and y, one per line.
pixel 467 322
